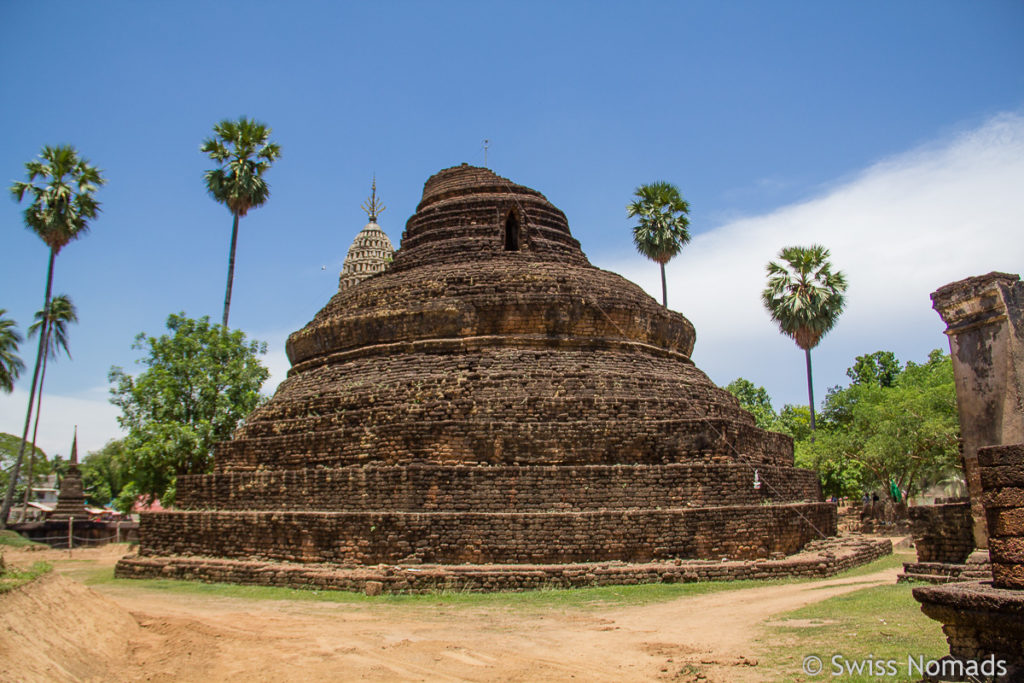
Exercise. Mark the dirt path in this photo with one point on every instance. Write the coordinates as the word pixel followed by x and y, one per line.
pixel 193 638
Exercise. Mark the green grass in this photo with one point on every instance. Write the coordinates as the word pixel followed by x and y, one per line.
pixel 16 540
pixel 12 577
pixel 893 561
pixel 884 623
pixel 581 598
pixel 571 598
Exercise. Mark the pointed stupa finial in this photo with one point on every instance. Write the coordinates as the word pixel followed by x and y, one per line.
pixel 74 447
pixel 372 206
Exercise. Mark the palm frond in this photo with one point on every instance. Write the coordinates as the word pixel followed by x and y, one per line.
pixel 11 364
pixel 63 205
pixel 61 313
pixel 663 224
pixel 243 150
pixel 804 296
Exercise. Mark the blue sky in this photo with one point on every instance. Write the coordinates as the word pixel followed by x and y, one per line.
pixel 893 133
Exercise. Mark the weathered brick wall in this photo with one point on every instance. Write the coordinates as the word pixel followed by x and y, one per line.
pixel 365 538
pixel 503 295
pixel 500 405
pixel 820 558
pixel 942 533
pixel 422 487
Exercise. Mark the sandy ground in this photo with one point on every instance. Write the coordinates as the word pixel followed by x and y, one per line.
pixel 136 634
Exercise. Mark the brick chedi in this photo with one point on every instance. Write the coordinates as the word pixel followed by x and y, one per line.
pixel 71 499
pixel 491 398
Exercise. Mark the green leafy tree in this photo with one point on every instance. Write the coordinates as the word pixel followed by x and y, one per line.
pixel 104 472
pixel 200 381
pixel 904 435
pixel 53 324
pixel 840 477
pixel 794 421
pixel 755 400
pixel 244 152
pixel 804 297
pixel 663 225
pixel 61 208
pixel 880 367
pixel 125 501
pixel 9 447
pixel 10 363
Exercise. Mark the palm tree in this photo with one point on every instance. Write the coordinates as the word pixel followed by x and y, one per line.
pixel 662 230
pixel 62 206
pixel 242 149
pixel 53 325
pixel 10 363
pixel 805 298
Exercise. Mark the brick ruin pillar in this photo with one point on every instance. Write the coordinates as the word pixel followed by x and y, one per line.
pixel 985 326
pixel 984 620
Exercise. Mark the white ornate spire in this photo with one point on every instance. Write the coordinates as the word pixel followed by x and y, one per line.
pixel 371 250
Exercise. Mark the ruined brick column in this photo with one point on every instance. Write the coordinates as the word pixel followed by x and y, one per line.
pixel 1002 478
pixel 985 327
pixel 985 619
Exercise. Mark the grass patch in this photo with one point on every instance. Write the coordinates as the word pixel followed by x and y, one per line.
pixel 881 623
pixel 893 561
pixel 16 540
pixel 12 577
pixel 571 598
pixel 564 598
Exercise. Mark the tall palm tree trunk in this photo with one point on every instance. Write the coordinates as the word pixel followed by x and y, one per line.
pixel 810 390
pixel 231 271
pixel 35 427
pixel 9 495
pixel 664 288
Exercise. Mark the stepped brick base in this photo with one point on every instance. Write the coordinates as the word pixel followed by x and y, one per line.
pixel 368 538
pixel 976 568
pixel 819 558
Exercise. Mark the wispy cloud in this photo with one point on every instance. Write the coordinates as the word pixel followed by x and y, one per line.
pixel 94 416
pixel 899 230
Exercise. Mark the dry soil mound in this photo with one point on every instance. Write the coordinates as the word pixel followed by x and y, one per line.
pixel 54 629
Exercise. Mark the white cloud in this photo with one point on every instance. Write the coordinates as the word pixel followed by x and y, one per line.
pixel 94 416
pixel 899 230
